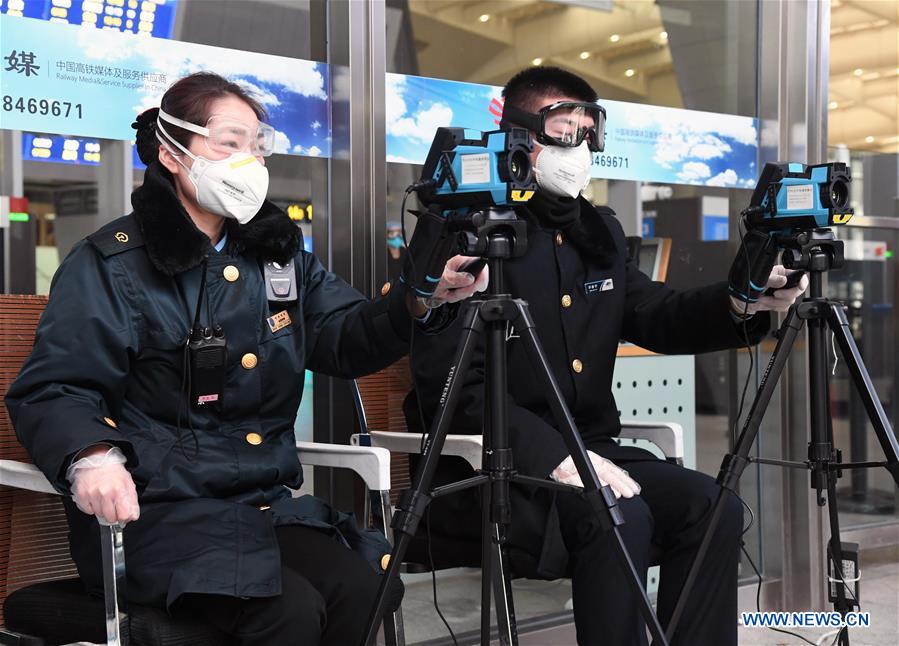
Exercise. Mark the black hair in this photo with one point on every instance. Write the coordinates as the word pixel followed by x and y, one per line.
pixel 190 99
pixel 528 89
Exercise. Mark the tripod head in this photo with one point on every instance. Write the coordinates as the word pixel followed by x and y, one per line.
pixel 492 233
pixel 815 250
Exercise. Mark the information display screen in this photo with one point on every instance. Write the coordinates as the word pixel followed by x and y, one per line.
pixel 60 149
pixel 144 17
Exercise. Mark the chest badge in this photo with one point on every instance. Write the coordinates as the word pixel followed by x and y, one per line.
pixel 596 286
pixel 278 321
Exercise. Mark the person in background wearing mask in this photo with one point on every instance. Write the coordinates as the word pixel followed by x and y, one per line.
pixel 396 249
pixel 585 295
pixel 120 412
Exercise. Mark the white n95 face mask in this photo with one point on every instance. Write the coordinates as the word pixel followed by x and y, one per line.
pixel 563 171
pixel 234 187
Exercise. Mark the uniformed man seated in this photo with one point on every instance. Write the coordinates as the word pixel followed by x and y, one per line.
pixel 585 295
pixel 167 372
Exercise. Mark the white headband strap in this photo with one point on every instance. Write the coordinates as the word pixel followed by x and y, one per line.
pixel 181 123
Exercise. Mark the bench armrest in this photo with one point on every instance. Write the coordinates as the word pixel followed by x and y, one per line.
pixel 668 436
pixel 24 476
pixel 468 447
pixel 370 462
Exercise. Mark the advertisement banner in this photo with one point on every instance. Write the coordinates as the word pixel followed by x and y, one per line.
pixel 643 142
pixel 83 81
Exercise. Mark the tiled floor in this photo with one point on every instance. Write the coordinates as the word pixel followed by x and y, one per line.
pixel 459 595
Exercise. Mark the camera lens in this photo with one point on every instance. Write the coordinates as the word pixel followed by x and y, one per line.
pixel 519 166
pixel 839 194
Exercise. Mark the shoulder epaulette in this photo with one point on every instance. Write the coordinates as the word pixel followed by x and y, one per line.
pixel 117 236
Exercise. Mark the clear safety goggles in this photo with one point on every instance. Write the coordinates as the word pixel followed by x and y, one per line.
pixel 565 123
pixel 228 136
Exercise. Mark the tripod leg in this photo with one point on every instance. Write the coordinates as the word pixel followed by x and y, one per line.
pixel 411 508
pixel 486 564
pixel 601 499
pixel 836 553
pixel 836 318
pixel 502 593
pixel 735 463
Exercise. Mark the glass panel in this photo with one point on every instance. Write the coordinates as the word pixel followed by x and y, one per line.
pixel 62 200
pixel 869 286
pixel 863 105
pixel 863 132
pixel 671 52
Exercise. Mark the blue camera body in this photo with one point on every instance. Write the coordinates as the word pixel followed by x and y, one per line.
pixel 467 173
pixel 796 196
pixel 789 198
pixel 468 168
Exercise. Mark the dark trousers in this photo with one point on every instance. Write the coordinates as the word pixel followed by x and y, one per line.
pixel 327 591
pixel 668 519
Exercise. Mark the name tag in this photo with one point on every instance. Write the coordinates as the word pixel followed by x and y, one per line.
pixel 278 321
pixel 605 285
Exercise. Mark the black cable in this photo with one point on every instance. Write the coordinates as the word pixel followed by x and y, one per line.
pixel 434 580
pixel 745 329
pixel 425 430
pixel 212 325
pixel 186 383
pixel 751 516
pixel 758 594
pixel 183 395
pixel 196 323
pixel 758 591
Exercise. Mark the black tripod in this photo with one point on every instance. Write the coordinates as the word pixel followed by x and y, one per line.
pixel 500 235
pixel 815 251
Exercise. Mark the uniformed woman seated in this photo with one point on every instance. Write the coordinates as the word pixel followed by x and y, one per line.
pixel 166 376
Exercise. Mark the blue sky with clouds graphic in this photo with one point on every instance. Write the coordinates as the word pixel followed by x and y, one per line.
pixel 295 92
pixel 643 142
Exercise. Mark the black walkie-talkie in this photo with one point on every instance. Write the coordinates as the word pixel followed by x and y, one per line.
pixel 208 356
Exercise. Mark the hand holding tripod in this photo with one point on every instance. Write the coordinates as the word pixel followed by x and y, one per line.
pixel 500 235
pixel 816 251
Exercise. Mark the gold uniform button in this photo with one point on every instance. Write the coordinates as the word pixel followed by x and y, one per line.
pixel 577 366
pixel 385 289
pixel 248 361
pixel 559 240
pixel 231 273
pixel 110 422
pixel 385 561
pixel 566 301
pixel 254 438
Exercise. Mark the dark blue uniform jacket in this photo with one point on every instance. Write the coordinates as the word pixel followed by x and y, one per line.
pixel 585 296
pixel 107 366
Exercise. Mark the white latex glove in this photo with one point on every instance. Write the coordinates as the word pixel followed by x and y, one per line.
pixel 457 285
pixel 102 486
pixel 607 472
pixel 779 302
